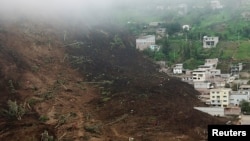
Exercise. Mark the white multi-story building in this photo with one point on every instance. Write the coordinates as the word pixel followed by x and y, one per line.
pixel 178 69
pixel 212 62
pixel 215 72
pixel 237 96
pixel 210 42
pixel 145 42
pixel 200 75
pixel 220 97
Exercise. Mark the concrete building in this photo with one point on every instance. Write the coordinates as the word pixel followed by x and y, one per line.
pixel 220 97
pixel 237 96
pixel 232 111
pixel 210 42
pixel 154 47
pixel 215 72
pixel 187 78
pixel 200 75
pixel 178 69
pixel 154 24
pixel 214 111
pixel 213 62
pixel 220 111
pixel 225 76
pixel 144 42
pixel 244 88
pixel 203 85
pixel 161 63
pixel 219 82
pixel 236 68
pixel 206 67
pixel 161 31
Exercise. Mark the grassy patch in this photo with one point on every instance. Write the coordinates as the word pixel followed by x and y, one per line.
pixel 243 52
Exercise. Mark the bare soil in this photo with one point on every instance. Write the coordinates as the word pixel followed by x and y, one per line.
pixel 99 90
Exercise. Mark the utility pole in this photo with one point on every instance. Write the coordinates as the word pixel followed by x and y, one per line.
pixel 238 39
pixel 186 36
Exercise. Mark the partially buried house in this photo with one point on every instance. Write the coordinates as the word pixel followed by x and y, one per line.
pixel 145 42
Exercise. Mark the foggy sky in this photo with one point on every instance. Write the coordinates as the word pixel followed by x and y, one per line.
pixel 58 9
pixel 67 10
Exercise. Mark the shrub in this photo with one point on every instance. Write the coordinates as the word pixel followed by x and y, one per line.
pixel 14 110
pixel 43 118
pixel 46 137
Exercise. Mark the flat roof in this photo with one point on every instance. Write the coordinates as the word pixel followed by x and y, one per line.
pixel 146 37
pixel 245 86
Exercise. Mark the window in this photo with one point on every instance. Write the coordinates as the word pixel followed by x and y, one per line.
pixel 213 96
pixel 212 43
pixel 224 100
pixel 218 96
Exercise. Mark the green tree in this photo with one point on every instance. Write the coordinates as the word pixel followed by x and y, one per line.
pixel 248 82
pixel 245 107
pixel 159 56
pixel 165 46
pixel 173 28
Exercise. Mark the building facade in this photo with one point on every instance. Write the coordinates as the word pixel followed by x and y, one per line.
pixel 236 98
pixel 145 42
pixel 220 97
pixel 200 75
pixel 210 42
pixel 178 69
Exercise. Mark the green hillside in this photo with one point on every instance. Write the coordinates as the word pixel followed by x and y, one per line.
pixel 228 23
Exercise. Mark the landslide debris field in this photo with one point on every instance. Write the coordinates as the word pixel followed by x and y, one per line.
pixel 89 85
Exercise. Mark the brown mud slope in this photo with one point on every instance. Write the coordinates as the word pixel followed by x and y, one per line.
pixel 139 101
pixel 35 74
pixel 89 85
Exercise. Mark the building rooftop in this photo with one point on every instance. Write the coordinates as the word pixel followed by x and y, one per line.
pixel 146 37
pixel 245 86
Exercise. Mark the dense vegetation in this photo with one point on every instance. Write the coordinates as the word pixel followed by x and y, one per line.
pixel 230 24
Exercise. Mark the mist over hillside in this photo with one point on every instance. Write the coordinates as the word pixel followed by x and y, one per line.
pixel 98 11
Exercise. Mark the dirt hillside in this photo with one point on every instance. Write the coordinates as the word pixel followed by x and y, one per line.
pixel 89 84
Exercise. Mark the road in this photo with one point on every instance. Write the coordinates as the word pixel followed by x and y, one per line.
pixel 245 120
